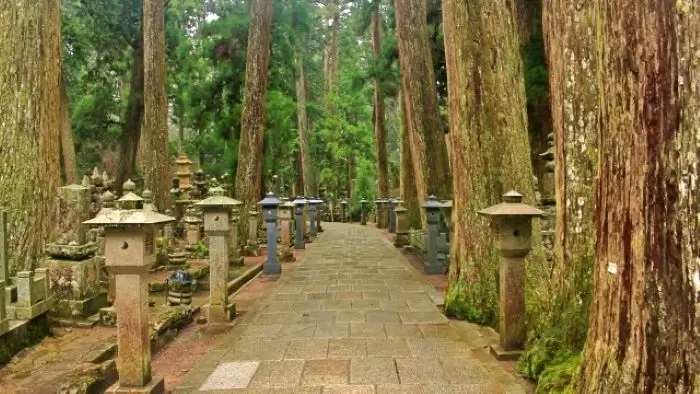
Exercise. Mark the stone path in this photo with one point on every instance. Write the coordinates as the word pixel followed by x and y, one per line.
pixel 352 317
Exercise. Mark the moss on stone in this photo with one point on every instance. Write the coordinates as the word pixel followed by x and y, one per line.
pixel 24 336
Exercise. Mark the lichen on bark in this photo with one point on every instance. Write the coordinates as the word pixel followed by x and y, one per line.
pixel 30 73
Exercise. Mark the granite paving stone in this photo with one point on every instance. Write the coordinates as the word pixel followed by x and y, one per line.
pixel 351 316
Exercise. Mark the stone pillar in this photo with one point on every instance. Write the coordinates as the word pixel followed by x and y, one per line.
pixel 319 212
pixel 432 265
pixel 391 204
pixel 344 210
pixel 449 229
pixel 217 225
pixel 363 212
pixel 379 217
pixel 269 206
pixel 253 229
pixel 286 211
pixel 4 263
pixel 4 321
pixel 130 252
pixel 305 212
pixel 401 231
pixel 512 225
pixel 312 217
pixel 234 256
pixel 299 223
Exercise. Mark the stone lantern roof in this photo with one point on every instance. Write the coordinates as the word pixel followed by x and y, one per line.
pixel 512 205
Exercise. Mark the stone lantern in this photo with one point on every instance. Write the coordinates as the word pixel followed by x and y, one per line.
pixel 511 222
pixel 286 214
pixel 148 204
pixel 217 226
pixel 269 206
pixel 390 205
pixel 401 236
pixel 129 254
pixel 381 215
pixel 343 210
pixel 299 223
pixel 363 211
pixel 312 204
pixel 319 206
pixel 432 210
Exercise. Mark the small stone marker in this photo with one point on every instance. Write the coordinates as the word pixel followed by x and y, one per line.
pixel 344 210
pixel 432 209
pixel 447 207
pixel 512 224
pixel 130 252
pixel 217 225
pixel 312 216
pixel 269 206
pixel 401 232
pixel 299 223
pixel 391 219
pixel 381 213
pixel 363 211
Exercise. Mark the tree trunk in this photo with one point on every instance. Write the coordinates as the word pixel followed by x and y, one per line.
pixel 302 124
pixel 379 129
pixel 407 184
pixel 30 80
pixel 490 147
pixel 131 130
pixel 428 149
pixel 331 56
pixel 299 181
pixel 249 171
pixel 156 166
pixel 641 337
pixel 70 166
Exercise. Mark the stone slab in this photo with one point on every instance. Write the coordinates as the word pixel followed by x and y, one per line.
pixel 231 375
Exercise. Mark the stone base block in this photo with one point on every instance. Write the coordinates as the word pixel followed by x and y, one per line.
pixel 29 312
pixel 272 269
pixel 433 269
pixel 401 240
pixel 235 261
pixel 219 313
pixel 156 386
pixel 74 280
pixel 505 355
pixel 79 308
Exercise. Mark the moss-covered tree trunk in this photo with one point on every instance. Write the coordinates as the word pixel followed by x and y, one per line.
pixel 641 337
pixel 30 78
pixel 156 166
pixel 490 148
pixel 68 160
pixel 249 171
pixel 569 27
pixel 409 193
pixel 379 129
pixel 428 148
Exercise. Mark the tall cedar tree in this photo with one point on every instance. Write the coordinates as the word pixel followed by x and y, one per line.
pixel 156 166
pixel 428 148
pixel 30 79
pixel 379 129
pixel 490 147
pixel 641 336
pixel 249 171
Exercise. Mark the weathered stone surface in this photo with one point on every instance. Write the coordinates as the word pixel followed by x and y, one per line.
pixel 360 320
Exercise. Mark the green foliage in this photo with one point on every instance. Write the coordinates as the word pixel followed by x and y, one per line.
pixel 551 364
pixel 201 249
pixel 476 300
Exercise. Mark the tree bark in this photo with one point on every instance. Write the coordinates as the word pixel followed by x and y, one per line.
pixel 331 55
pixel 379 129
pixel 70 166
pixel 156 166
pixel 407 184
pixel 641 337
pixel 428 149
pixel 131 130
pixel 249 171
pixel 30 79
pixel 490 148
pixel 303 123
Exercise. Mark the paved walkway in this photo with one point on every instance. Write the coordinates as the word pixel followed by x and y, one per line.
pixel 353 317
